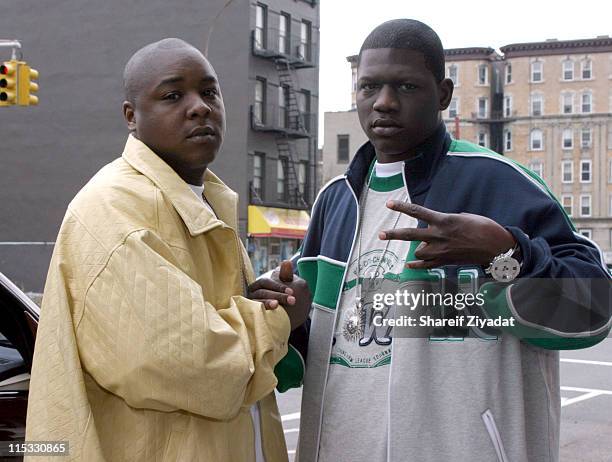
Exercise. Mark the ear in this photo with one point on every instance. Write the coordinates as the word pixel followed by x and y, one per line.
pixel 445 90
pixel 130 115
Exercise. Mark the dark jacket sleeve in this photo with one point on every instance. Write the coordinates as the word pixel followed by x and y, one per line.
pixel 561 299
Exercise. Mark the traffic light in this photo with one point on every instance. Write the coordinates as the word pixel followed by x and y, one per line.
pixel 26 85
pixel 8 82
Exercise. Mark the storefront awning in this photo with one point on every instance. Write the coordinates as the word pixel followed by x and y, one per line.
pixel 273 222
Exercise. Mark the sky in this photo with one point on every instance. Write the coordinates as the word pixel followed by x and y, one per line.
pixel 346 23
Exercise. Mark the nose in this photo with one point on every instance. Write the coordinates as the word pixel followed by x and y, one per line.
pixel 386 100
pixel 197 108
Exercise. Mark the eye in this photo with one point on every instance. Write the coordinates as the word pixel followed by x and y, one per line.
pixel 406 87
pixel 172 96
pixel 368 86
pixel 210 92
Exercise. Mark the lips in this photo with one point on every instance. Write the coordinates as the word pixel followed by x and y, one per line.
pixel 385 127
pixel 202 131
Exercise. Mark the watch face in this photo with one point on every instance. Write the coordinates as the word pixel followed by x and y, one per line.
pixel 505 269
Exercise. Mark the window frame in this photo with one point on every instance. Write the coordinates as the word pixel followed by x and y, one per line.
pixel 531 140
pixel 567 70
pixel 590 205
pixel 261 157
pixel 564 171
pixel 584 162
pixel 532 71
pixel 571 204
pixel 564 132
pixel 343 137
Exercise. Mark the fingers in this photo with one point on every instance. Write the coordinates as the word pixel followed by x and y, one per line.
pixel 264 294
pixel 286 271
pixel 414 210
pixel 424 264
pixel 407 234
pixel 269 284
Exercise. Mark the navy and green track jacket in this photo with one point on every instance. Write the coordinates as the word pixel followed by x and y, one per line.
pixel 455 176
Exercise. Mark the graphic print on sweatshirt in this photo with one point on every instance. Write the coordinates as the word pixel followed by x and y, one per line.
pixel 358 343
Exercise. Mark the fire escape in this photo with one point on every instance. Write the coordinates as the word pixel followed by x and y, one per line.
pixel 288 122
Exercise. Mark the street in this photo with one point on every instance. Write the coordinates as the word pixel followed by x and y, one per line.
pixel 586 406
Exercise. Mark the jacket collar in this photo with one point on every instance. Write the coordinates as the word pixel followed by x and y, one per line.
pixel 196 217
pixel 419 169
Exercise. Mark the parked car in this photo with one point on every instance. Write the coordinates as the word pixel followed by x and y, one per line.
pixel 18 323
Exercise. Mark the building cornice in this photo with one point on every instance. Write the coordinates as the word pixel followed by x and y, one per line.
pixel 558 47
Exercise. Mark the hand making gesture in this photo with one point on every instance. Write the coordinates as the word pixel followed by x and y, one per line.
pixel 450 238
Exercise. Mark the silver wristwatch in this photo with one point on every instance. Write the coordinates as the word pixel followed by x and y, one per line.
pixel 504 267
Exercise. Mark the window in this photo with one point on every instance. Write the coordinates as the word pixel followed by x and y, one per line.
pixel 585 138
pixel 483 74
pixel 587 69
pixel 537 167
pixel 453 74
pixel 482 108
pixel 281 178
pixel 453 108
pixel 567 171
pixel 567 102
pixel 567 201
pixel 536 140
pixel 568 139
pixel 284 33
pixel 304 52
pixel 259 109
pixel 302 178
pixel 343 149
pixel 537 104
pixel 261 26
pixel 482 139
pixel 585 205
pixel 587 101
pixel 507 106
pixel 283 99
pixel 508 140
pixel 258 173
pixel 508 73
pixel 536 71
pixel 568 69
pixel 304 107
pixel 586 232
pixel 585 171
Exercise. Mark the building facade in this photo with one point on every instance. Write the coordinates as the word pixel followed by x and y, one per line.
pixel 49 151
pixel 558 122
pixel 547 105
pixel 282 140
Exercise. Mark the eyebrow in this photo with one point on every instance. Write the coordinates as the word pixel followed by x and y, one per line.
pixel 177 79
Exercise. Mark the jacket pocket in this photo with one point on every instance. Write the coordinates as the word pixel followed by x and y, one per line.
pixel 489 422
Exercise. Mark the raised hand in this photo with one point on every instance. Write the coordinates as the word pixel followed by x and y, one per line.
pixel 450 238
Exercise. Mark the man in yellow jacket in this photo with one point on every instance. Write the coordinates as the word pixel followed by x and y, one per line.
pixel 147 349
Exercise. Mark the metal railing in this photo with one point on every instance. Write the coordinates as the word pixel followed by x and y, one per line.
pixel 274 118
pixel 270 43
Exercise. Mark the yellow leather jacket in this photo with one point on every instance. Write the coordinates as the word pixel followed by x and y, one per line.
pixel 146 348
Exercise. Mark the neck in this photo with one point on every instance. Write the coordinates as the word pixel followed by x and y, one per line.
pixel 384 158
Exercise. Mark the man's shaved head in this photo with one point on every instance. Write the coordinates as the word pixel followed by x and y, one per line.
pixel 142 64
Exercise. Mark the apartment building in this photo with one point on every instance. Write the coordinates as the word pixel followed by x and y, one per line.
pixel 282 140
pixel 266 56
pixel 547 105
pixel 557 116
